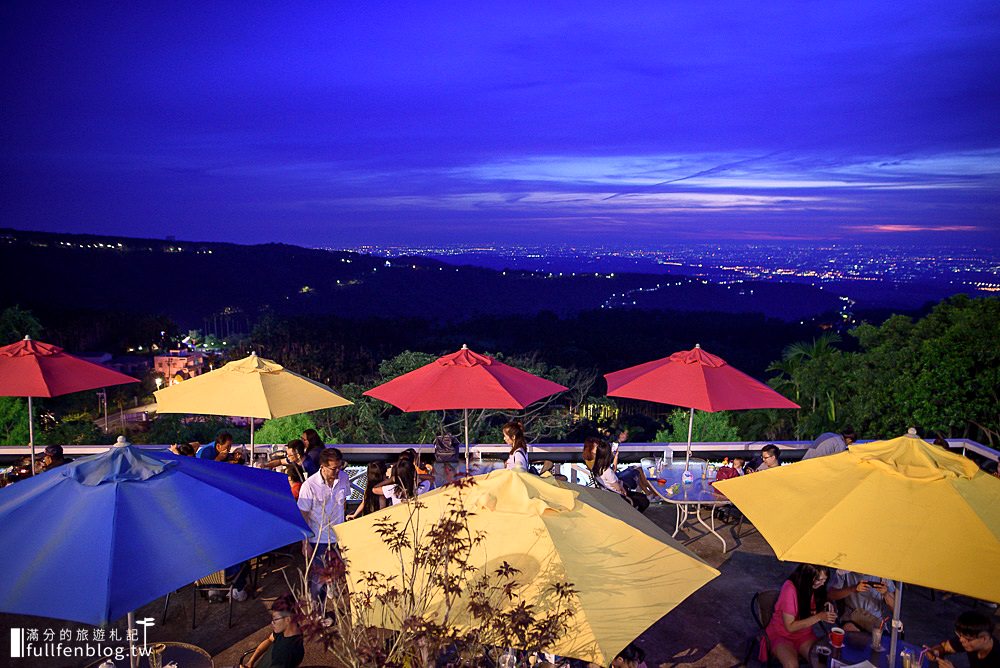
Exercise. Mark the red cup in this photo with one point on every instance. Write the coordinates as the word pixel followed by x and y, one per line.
pixel 837 637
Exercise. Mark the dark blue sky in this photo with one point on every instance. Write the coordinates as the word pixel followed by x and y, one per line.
pixel 643 124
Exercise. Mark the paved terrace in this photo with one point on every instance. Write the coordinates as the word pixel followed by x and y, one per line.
pixel 710 628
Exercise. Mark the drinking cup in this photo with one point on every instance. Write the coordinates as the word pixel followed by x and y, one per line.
pixel 823 654
pixel 837 637
pixel 877 638
pixel 906 657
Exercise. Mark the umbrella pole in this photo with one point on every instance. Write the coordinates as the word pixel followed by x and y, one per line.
pixel 31 435
pixel 133 657
pixel 895 623
pixel 687 455
pixel 250 463
pixel 465 412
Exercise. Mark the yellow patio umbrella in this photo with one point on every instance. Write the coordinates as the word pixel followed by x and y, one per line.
pixel 628 572
pixel 901 509
pixel 252 387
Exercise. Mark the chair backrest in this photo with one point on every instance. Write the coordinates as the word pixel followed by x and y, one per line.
pixel 762 606
pixel 216 578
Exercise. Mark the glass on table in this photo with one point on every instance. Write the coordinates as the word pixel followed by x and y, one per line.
pixel 877 638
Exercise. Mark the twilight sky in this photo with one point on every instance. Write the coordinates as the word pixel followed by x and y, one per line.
pixel 643 124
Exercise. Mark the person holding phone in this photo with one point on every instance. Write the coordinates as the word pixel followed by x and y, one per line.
pixel 800 606
pixel 867 599
pixel 974 636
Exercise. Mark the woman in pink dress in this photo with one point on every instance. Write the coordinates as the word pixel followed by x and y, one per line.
pixel 801 604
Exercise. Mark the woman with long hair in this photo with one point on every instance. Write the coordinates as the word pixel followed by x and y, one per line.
pixel 513 436
pixel 800 605
pixel 372 501
pixel 598 457
pixel 404 484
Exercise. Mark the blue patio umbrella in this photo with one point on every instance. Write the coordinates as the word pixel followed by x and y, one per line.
pixel 97 538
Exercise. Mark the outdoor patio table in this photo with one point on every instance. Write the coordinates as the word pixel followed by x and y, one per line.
pixel 857 648
pixel 689 497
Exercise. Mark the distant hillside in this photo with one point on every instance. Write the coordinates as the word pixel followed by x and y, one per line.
pixel 192 281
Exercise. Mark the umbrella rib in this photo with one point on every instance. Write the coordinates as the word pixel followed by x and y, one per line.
pixel 112 548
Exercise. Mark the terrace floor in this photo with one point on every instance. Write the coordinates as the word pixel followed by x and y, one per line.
pixel 710 628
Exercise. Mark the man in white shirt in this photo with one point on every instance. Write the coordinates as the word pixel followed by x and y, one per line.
pixel 323 502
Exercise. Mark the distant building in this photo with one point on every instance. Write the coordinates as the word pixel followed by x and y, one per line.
pixel 131 365
pixel 178 365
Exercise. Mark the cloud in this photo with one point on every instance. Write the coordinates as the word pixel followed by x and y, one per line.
pixel 910 229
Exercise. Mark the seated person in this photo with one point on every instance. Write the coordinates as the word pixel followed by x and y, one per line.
pixel 632 477
pixel 283 648
pixel 238 456
pixel 53 457
pixel 185 449
pixel 771 456
pixel 974 636
pixel 402 485
pixel 731 469
pixel 867 599
pixel 217 449
pixel 800 605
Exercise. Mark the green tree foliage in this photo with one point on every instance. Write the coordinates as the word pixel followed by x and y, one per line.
pixel 374 421
pixel 707 427
pixel 16 323
pixel 171 428
pixel 811 374
pixel 13 421
pixel 940 373
pixel 284 429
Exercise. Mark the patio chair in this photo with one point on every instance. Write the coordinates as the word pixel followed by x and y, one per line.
pixel 762 609
pixel 216 582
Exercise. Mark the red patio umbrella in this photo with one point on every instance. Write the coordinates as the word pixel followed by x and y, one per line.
pixel 464 380
pixel 694 379
pixel 35 369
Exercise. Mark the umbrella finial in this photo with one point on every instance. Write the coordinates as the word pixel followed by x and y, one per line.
pixel 121 442
pixel 465 346
pixel 698 346
pixel 912 432
pixel 27 337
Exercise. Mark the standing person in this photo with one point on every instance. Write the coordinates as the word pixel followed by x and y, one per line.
pixel 217 449
pixel 800 605
pixel 974 636
pixel 513 436
pixel 314 446
pixel 295 453
pixel 372 501
pixel 323 502
pixel 284 647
